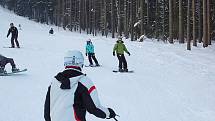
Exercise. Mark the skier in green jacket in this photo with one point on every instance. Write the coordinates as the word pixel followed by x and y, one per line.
pixel 120 48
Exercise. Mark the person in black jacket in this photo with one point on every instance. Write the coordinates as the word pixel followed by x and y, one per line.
pixel 13 30
pixel 72 93
pixel 4 61
pixel 51 31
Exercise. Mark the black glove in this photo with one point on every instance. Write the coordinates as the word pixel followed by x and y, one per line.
pixel 113 53
pixel 112 113
pixel 86 54
pixel 129 54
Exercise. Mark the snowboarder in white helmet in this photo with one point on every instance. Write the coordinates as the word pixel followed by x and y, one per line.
pixel 72 93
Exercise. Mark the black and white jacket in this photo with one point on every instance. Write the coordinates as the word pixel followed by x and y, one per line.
pixel 70 95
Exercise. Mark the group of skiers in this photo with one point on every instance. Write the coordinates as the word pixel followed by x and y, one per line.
pixel 119 49
pixel 5 60
pixel 72 93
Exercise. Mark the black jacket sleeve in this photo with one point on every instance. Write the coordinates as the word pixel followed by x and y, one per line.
pixel 91 108
pixel 47 106
pixel 8 32
pixel 89 104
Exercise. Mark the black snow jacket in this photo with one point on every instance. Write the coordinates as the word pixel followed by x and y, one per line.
pixel 14 32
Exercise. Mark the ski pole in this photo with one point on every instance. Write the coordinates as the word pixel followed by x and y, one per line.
pixel 115 119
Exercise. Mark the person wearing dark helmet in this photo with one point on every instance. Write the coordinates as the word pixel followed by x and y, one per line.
pixel 14 31
pixel 120 48
pixel 72 93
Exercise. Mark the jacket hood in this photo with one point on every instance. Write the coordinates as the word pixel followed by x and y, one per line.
pixel 64 77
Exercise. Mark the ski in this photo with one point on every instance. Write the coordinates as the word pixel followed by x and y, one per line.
pixel 12 47
pixel 11 73
pixel 130 71
pixel 92 66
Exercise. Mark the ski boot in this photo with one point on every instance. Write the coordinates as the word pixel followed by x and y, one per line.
pixel 97 64
pixel 2 70
pixel 121 70
pixel 15 69
pixel 125 70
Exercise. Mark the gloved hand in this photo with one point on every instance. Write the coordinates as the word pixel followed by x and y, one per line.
pixel 129 54
pixel 86 54
pixel 113 53
pixel 112 113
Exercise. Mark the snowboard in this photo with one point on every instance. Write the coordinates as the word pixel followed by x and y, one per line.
pixel 12 73
pixel 11 47
pixel 92 66
pixel 130 71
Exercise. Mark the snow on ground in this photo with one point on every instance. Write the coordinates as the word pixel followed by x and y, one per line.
pixel 169 83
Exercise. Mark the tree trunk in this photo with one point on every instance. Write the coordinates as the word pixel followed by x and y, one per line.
pixel 112 19
pixel 170 22
pixel 80 16
pixel 205 25
pixel 164 23
pixel 132 20
pixel 200 21
pixel 148 18
pixel 141 18
pixel 126 19
pixel 208 22
pixel 188 26
pixel 119 18
pixel 75 16
pixel 194 22
pixel 70 17
pixel 156 20
pixel 181 26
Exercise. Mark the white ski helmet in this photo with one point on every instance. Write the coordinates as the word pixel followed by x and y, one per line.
pixel 73 59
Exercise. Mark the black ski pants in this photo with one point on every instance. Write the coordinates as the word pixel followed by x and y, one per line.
pixel 92 56
pixel 12 42
pixel 5 61
pixel 122 61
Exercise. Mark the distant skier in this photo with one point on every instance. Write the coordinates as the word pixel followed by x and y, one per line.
pixel 120 48
pixel 20 28
pixel 51 31
pixel 13 30
pixel 90 53
pixel 72 93
pixel 3 61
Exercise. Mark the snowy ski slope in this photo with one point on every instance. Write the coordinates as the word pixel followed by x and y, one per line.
pixel 169 83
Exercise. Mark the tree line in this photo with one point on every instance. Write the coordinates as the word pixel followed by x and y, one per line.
pixel 190 21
